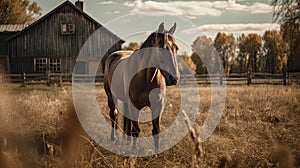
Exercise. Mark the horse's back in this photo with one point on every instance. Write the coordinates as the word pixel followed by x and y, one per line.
pixel 111 64
pixel 114 59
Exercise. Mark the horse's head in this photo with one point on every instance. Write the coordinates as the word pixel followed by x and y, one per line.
pixel 164 52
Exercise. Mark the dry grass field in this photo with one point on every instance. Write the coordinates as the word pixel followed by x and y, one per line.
pixel 260 127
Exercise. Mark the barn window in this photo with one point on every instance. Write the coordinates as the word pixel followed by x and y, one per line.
pixel 54 64
pixel 40 64
pixel 47 64
pixel 67 28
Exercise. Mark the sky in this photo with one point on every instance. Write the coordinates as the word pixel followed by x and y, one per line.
pixel 130 19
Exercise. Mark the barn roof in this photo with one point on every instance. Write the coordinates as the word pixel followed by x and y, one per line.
pixel 58 8
pixel 12 27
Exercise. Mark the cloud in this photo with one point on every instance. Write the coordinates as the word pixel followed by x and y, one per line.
pixel 236 29
pixel 190 9
pixel 106 3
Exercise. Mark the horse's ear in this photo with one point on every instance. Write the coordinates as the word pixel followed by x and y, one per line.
pixel 161 28
pixel 172 30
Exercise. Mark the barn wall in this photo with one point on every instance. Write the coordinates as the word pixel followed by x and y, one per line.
pixel 4 36
pixel 44 39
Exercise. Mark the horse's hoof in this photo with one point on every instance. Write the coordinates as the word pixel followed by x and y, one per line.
pixel 113 139
pixel 156 150
pixel 128 140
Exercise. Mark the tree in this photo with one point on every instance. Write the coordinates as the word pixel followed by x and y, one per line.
pixel 186 64
pixel 287 13
pixel 18 12
pixel 275 49
pixel 226 48
pixel 242 55
pixel 132 46
pixel 203 55
pixel 253 44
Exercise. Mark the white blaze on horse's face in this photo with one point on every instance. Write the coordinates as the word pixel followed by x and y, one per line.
pixel 168 62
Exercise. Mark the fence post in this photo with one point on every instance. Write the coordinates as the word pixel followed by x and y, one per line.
pixel 48 78
pixel 60 80
pixel 24 79
pixel 249 76
pixel 284 78
pixel 221 79
pixel 2 78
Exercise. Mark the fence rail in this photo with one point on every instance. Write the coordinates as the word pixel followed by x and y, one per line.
pixel 230 79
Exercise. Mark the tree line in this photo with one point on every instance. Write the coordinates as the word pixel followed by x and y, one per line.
pixel 252 52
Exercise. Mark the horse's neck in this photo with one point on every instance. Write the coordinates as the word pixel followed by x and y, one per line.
pixel 151 74
pixel 146 59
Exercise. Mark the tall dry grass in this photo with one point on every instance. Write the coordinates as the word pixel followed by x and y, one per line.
pixel 259 128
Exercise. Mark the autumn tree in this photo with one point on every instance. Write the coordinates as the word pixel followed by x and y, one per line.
pixel 275 51
pixel 242 54
pixel 253 45
pixel 18 12
pixel 204 55
pixel 287 13
pixel 132 46
pixel 226 48
pixel 186 64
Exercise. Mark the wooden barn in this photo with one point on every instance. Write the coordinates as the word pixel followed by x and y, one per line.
pixel 6 32
pixel 52 43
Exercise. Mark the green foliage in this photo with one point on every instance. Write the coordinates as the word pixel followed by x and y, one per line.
pixel 18 12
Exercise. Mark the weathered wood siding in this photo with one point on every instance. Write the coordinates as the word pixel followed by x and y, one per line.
pixel 4 36
pixel 44 40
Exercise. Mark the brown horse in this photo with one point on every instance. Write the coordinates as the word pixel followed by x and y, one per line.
pixel 139 79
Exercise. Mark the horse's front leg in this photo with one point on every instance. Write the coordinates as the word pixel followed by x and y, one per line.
pixel 157 106
pixel 134 115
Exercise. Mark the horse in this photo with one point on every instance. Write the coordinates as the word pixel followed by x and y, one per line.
pixel 139 79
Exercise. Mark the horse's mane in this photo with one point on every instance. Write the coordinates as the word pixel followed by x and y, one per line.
pixel 153 40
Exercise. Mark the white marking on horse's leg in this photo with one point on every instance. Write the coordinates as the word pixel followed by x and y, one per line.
pixel 157 105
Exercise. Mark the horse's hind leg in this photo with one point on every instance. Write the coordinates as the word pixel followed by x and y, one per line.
pixel 127 122
pixel 113 113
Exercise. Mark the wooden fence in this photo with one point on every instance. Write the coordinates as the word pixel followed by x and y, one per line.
pixel 231 79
